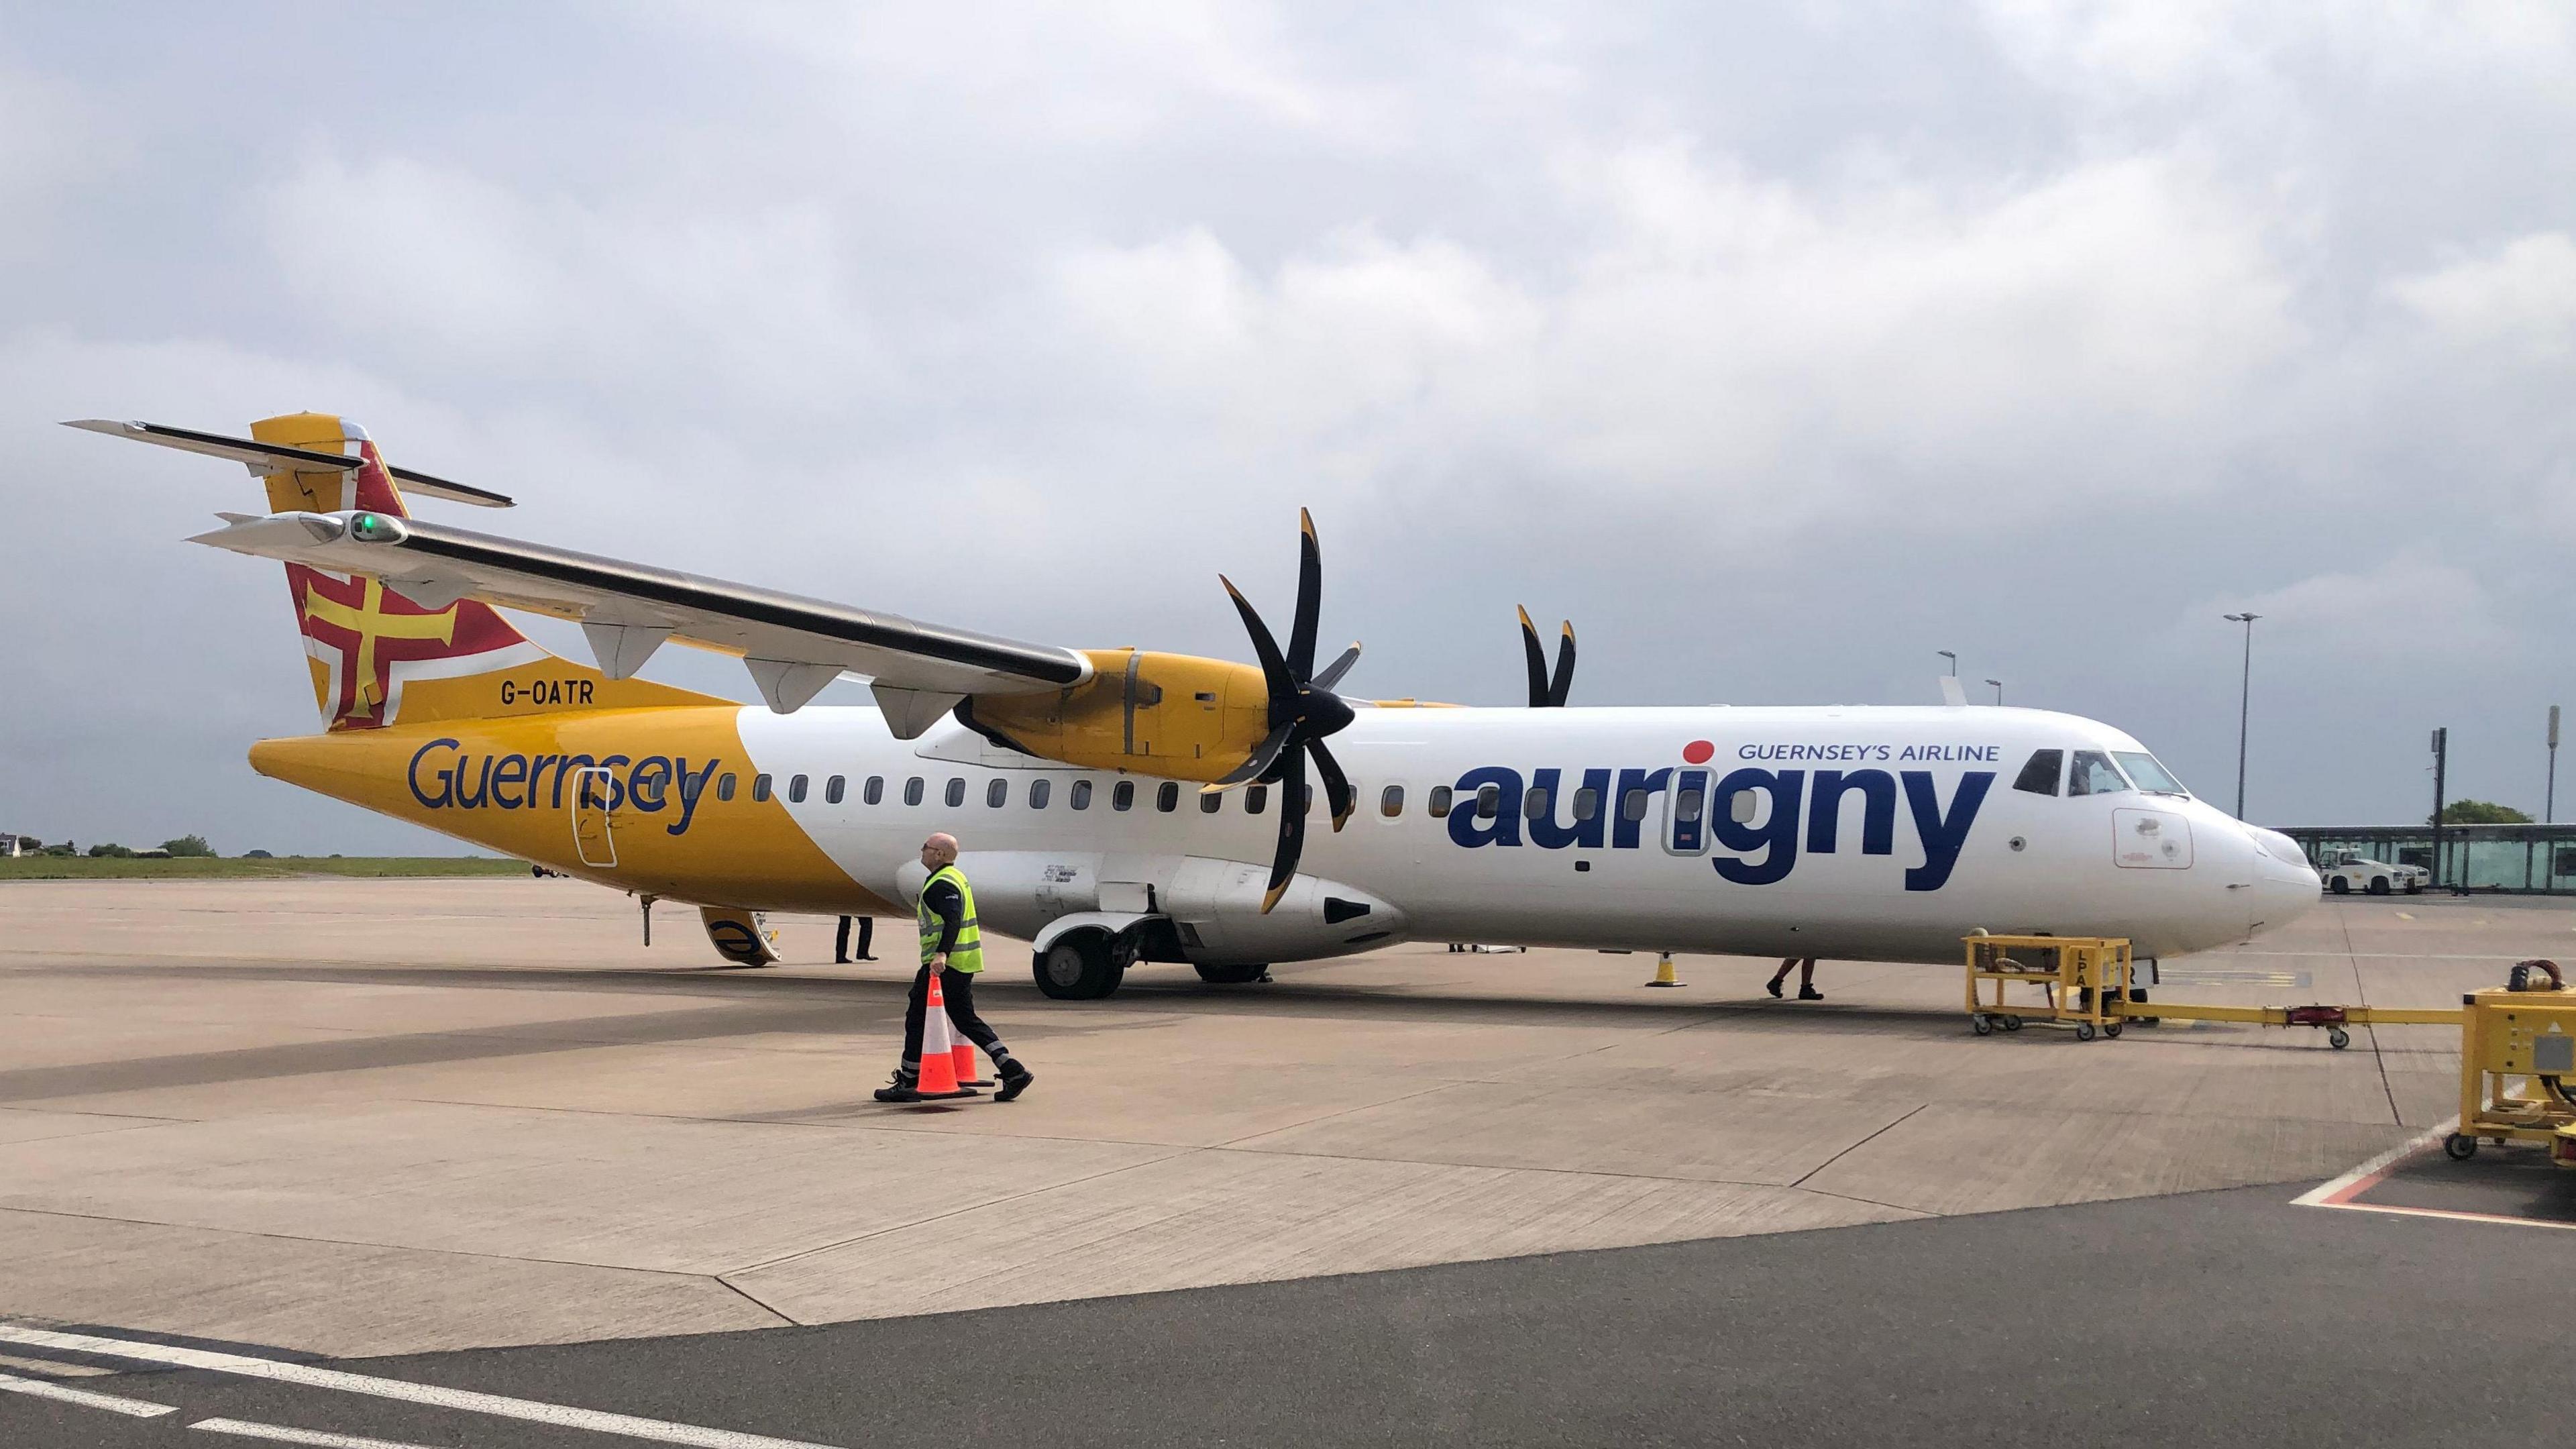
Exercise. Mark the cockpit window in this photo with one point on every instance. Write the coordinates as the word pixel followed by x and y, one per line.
pixel 2039 777
pixel 2150 776
pixel 2094 774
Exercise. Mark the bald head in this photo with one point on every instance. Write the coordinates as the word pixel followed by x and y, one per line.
pixel 939 850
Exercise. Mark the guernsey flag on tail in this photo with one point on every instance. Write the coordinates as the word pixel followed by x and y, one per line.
pixel 365 642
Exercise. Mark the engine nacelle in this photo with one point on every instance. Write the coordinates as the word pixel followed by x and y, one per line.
pixel 1178 716
pixel 1176 907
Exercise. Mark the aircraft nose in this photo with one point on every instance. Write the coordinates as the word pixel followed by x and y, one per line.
pixel 2285 886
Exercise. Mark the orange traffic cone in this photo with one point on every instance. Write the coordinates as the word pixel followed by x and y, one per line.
pixel 938 1058
pixel 964 1052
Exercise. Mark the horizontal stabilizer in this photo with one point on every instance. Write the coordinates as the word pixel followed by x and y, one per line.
pixel 266 458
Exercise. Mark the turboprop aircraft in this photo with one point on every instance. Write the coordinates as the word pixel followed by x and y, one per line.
pixel 1121 806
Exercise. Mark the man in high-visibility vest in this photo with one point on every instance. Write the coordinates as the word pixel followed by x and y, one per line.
pixel 953 946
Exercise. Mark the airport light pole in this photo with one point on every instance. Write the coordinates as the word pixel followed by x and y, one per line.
pixel 2244 704
pixel 2549 800
pixel 1954 661
pixel 1999 689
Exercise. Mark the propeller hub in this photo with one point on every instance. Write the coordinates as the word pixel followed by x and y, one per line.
pixel 1322 711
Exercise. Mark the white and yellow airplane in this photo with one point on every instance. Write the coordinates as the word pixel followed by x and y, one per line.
pixel 1122 806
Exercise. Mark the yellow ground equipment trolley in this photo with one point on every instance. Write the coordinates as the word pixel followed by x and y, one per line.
pixel 2081 981
pixel 2084 981
pixel 2518 1065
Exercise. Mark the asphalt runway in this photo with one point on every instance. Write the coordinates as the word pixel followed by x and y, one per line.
pixel 473 1139
pixel 2226 1318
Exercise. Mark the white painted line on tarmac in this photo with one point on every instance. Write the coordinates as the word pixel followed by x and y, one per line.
pixel 2362 1178
pixel 283 1435
pixel 40 1389
pixel 466 1400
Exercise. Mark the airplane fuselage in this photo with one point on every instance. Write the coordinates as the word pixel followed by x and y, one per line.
pixel 1849 833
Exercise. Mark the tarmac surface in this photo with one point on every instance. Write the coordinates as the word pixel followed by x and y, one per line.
pixel 475 1133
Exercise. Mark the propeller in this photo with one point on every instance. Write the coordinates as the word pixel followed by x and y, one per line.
pixel 1546 691
pixel 1303 710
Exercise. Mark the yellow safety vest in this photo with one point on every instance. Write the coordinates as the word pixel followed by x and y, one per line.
pixel 968 954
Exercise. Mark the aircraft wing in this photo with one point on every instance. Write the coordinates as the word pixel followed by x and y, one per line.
pixel 792 644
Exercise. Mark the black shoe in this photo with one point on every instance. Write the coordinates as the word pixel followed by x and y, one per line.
pixel 1773 986
pixel 1014 1083
pixel 840 960
pixel 1807 993
pixel 867 958
pixel 898 1093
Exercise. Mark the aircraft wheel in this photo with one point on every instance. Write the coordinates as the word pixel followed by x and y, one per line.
pixel 1232 975
pixel 1079 966
pixel 2379 885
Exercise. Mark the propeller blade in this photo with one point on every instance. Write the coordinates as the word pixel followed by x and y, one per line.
pixel 1292 827
pixel 1264 755
pixel 1310 598
pixel 1337 786
pixel 1274 670
pixel 1334 671
pixel 1563 684
pixel 1534 654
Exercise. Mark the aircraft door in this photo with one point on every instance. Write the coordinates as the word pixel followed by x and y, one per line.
pixel 593 837
pixel 1686 813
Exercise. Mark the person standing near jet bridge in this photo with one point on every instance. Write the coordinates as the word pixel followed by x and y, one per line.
pixel 953 946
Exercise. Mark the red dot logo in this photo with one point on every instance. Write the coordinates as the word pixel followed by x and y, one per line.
pixel 1698 751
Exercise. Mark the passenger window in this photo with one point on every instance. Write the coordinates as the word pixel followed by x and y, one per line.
pixel 1123 797
pixel 997 794
pixel 1740 807
pixel 1534 804
pixel 1437 805
pixel 875 790
pixel 1082 794
pixel 833 789
pixel 1632 806
pixel 760 787
pixel 1039 789
pixel 1489 801
pixel 724 787
pixel 1689 803
pixel 1210 802
pixel 1587 803
pixel 2039 777
pixel 912 791
pixel 2094 774
pixel 795 789
pixel 1168 798
pixel 956 792
pixel 1256 798
pixel 1390 801
pixel 691 785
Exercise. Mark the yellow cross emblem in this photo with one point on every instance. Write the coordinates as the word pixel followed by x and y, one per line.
pixel 370 622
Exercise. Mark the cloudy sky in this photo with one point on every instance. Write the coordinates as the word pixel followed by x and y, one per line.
pixel 1779 349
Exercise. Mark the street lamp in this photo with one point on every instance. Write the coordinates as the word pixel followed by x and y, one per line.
pixel 2244 704
pixel 1954 661
pixel 1999 689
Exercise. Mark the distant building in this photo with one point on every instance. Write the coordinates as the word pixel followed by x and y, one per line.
pixel 2516 859
pixel 14 846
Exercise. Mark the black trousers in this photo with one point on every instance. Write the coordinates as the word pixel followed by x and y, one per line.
pixel 841 937
pixel 957 989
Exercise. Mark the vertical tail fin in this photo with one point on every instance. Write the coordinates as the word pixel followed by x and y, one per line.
pixel 376 653
pixel 364 642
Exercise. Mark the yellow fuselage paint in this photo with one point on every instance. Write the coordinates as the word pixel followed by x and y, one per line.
pixel 515 785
